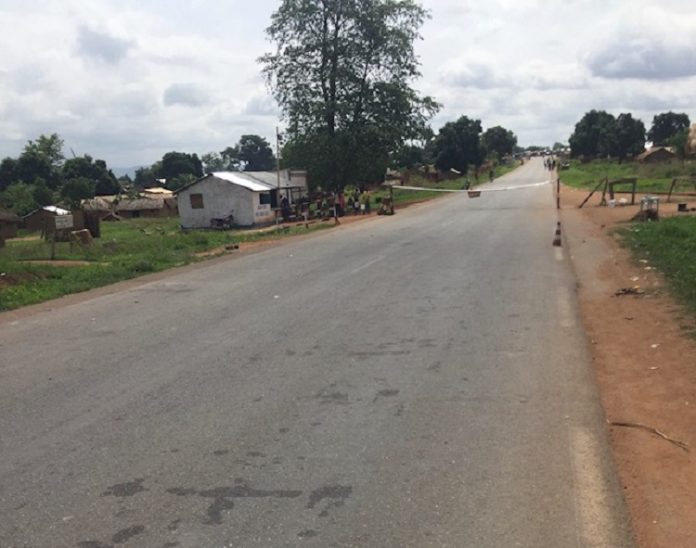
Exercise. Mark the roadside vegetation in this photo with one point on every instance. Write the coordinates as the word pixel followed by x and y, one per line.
pixel 407 196
pixel 651 177
pixel 127 249
pixel 670 246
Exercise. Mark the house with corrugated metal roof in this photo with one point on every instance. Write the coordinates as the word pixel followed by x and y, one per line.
pixel 240 198
pixel 656 155
pixel 42 218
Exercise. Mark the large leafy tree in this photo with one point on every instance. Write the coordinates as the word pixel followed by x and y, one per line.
pixel 667 125
pixel 341 73
pixel 458 145
pixel 8 172
pixel 630 136
pixel 74 191
pixel 105 182
pixel 175 164
pixel 213 161
pixel 48 146
pixel 254 153
pixel 145 176
pixel 498 141
pixel 19 197
pixel 594 135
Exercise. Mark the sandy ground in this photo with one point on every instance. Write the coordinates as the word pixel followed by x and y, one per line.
pixel 645 363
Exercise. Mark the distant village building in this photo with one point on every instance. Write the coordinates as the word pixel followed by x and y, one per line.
pixel 9 222
pixel 249 197
pixel 145 205
pixel 42 218
pixel 656 155
pixel 158 191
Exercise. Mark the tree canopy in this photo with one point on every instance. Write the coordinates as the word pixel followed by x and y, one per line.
pixel 629 136
pixel 599 133
pixel 594 135
pixel 102 177
pixel 498 141
pixel 667 125
pixel 41 176
pixel 341 73
pixel 458 145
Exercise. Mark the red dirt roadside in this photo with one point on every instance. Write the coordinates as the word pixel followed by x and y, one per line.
pixel 645 362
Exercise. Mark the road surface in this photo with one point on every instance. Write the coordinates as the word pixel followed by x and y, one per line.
pixel 417 380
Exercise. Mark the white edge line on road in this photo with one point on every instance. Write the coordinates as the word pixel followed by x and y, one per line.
pixel 590 490
pixel 366 265
pixel 565 309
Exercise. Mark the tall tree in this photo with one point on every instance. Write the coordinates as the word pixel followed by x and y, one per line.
pixel 8 172
pixel 458 145
pixel 667 125
pixel 630 136
pixel 175 164
pixel 254 153
pixel 19 197
pixel 145 176
pixel 48 146
pixel 213 161
pixel 498 141
pixel 75 190
pixel 341 74
pixel 105 182
pixel 594 135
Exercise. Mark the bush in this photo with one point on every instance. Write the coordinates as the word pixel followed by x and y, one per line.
pixel 143 265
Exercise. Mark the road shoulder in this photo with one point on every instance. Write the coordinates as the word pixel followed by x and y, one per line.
pixel 644 363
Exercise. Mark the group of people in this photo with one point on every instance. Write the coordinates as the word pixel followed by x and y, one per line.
pixel 330 204
pixel 550 163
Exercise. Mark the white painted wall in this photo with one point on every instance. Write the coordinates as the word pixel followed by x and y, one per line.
pixel 262 212
pixel 220 199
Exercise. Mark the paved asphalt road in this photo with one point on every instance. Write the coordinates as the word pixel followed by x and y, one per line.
pixel 420 380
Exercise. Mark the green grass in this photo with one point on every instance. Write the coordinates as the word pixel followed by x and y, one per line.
pixel 651 177
pixel 669 245
pixel 406 196
pixel 126 249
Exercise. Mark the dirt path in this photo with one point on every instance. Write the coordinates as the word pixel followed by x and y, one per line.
pixel 645 363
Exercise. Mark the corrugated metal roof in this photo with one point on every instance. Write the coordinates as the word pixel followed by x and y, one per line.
pixel 157 190
pixel 55 209
pixel 256 181
pixel 242 179
pixel 270 178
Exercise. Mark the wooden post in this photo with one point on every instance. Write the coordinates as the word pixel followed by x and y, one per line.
pixel 603 201
pixel 391 198
pixel 590 194
pixel 558 193
pixel 53 242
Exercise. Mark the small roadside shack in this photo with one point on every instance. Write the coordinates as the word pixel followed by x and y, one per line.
pixel 42 219
pixel 227 198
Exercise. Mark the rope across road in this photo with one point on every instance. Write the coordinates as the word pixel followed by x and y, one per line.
pixel 474 189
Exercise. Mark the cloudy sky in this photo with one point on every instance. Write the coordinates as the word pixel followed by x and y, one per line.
pixel 127 81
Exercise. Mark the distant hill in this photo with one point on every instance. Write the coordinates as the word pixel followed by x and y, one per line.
pixel 121 171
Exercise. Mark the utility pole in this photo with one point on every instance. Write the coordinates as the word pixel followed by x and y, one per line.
pixel 278 138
